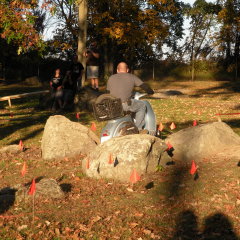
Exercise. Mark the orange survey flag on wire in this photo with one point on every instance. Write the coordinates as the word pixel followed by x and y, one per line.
pixel 93 126
pixel 110 160
pixel 20 145
pixel 172 126
pixel 32 189
pixel 88 164
pixel 160 127
pixel 134 176
pixel 169 146
pixel 195 123
pixel 24 169
pixel 193 169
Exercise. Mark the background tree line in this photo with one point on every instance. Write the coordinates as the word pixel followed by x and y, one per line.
pixel 147 34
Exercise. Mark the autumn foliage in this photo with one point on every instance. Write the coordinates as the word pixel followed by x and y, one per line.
pixel 17 24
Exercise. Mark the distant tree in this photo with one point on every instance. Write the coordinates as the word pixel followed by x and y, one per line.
pixel 201 20
pixel 228 38
pixel 124 29
pixel 17 24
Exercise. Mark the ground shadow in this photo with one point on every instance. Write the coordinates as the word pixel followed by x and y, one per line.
pixel 7 199
pixel 230 87
pixel 66 187
pixel 216 227
pixel 186 226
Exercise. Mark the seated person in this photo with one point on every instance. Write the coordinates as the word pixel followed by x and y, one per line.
pixel 121 86
pixel 56 90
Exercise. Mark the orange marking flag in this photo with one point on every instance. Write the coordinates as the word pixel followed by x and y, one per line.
pixel 88 164
pixel 134 176
pixel 32 189
pixel 24 169
pixel 20 145
pixel 110 160
pixel 193 169
pixel 172 126
pixel 78 115
pixel 169 146
pixel 93 126
pixel 195 123
pixel 160 127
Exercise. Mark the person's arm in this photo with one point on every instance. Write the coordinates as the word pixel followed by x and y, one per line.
pixel 146 88
pixel 96 54
pixel 139 83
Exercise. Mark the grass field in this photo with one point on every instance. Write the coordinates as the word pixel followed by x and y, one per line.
pixel 175 207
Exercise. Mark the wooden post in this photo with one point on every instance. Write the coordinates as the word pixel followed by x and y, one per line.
pixel 9 102
pixel 82 35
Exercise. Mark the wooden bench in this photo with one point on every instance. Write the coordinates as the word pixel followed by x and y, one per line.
pixel 8 98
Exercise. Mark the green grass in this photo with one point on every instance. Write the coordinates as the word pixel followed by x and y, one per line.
pixel 155 213
pixel 205 100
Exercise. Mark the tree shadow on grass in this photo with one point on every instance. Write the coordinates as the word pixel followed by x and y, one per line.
pixel 216 227
pixel 14 126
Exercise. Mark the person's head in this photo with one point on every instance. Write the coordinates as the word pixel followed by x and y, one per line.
pixel 93 45
pixel 122 67
pixel 57 72
pixel 75 58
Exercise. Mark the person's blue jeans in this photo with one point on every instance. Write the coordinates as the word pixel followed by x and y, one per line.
pixel 139 108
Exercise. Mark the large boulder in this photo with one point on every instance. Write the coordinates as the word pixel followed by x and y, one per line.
pixel 64 138
pixel 85 98
pixel 144 153
pixel 198 142
pixel 33 81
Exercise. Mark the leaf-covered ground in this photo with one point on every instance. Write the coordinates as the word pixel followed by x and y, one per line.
pixel 169 204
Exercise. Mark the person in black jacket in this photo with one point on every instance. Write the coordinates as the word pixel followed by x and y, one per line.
pixel 56 89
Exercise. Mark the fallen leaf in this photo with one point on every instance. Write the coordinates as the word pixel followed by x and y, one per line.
pixel 138 214
pixel 108 218
pixel 96 219
pixel 146 231
pixel 130 189
pixel 20 228
pixel 57 231
pixel 83 228
pixel 133 224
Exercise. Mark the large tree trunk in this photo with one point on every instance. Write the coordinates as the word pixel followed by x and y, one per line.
pixel 236 54
pixel 82 35
pixel 109 50
pixel 193 61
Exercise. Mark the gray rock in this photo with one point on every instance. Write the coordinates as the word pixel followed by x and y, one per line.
pixel 141 152
pixel 85 98
pixel 33 81
pixel 63 138
pixel 47 188
pixel 195 143
pixel 14 148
